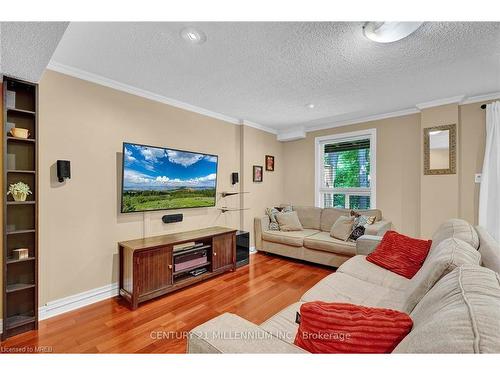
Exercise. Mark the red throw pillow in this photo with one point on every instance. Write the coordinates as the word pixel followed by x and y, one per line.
pixel 346 328
pixel 400 254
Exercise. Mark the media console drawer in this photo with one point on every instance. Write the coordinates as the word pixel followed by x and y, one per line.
pixel 149 267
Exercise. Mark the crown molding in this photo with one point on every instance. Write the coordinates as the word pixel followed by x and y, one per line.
pixel 282 135
pixel 259 126
pixel 381 116
pixel 103 81
pixel 439 102
pixel 481 98
pixel 291 134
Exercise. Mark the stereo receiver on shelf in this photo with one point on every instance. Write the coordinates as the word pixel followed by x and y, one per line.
pixel 190 259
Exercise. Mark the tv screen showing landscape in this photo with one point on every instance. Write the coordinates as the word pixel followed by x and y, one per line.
pixel 156 178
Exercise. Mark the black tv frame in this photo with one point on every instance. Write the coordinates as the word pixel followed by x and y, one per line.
pixel 165 148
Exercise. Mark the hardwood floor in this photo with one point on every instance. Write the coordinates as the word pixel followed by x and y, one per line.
pixel 255 292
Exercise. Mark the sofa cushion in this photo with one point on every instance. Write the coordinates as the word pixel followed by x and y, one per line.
pixel 323 241
pixel 310 217
pixel 341 287
pixel 282 325
pixel 442 259
pixel 347 328
pixel 489 249
pixel 360 268
pixel 228 333
pixel 329 216
pixel 288 221
pixel 460 314
pixel 342 228
pixel 295 238
pixel 456 228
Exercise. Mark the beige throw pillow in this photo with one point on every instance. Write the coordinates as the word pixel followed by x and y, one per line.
pixel 288 221
pixel 342 228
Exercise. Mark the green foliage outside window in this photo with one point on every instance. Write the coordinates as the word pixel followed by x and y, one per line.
pixel 347 169
pixel 352 168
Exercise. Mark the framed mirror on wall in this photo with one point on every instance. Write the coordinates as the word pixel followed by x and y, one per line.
pixel 440 150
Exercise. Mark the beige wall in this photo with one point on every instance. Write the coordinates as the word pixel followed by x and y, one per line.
pixel 438 190
pixel 80 222
pixel 473 137
pixel 269 192
pixel 416 204
pixel 398 171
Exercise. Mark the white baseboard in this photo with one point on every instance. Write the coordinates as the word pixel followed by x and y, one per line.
pixel 76 301
pixel 1 326
pixel 253 250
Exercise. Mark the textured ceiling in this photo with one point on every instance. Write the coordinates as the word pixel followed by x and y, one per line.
pixel 267 72
pixel 27 47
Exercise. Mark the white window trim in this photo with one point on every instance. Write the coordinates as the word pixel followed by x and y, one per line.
pixel 346 137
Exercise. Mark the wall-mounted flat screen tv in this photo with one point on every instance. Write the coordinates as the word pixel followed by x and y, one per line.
pixel 157 178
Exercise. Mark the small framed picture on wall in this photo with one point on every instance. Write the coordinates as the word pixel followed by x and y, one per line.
pixel 269 163
pixel 257 173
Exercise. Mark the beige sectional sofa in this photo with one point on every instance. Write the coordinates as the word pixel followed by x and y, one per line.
pixel 314 243
pixel 453 300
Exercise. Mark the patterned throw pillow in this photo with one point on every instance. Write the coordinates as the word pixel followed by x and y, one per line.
pixel 272 211
pixel 273 223
pixel 362 220
pixel 356 233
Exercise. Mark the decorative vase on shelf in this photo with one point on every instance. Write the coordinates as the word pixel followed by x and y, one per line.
pixel 19 196
pixel 19 191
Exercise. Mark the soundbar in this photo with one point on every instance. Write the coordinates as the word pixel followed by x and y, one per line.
pixel 173 218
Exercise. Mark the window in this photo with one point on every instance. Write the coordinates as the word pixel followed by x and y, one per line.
pixel 345 170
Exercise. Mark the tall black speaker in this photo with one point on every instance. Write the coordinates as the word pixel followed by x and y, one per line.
pixel 242 248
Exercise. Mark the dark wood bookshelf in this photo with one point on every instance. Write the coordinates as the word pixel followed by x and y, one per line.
pixel 20 219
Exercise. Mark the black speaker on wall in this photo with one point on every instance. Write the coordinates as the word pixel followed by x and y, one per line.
pixel 235 178
pixel 63 170
pixel 173 218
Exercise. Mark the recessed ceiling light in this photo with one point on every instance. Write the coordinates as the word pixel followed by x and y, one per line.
pixel 194 36
pixel 388 32
pixel 310 105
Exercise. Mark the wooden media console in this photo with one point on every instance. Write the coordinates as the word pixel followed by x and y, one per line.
pixel 147 266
